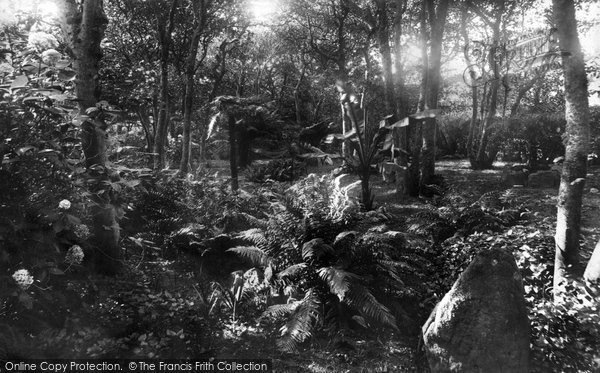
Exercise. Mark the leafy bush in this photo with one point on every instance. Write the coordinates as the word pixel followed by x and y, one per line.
pixel 565 334
pixel 539 134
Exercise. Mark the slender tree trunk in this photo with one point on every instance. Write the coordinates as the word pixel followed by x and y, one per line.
pixel 400 134
pixel 85 30
pixel 415 130
pixel 383 35
pixel 437 22
pixel 401 105
pixel 474 90
pixel 570 193
pixel 297 95
pixel 415 137
pixel 145 122
pixel 162 126
pixel 190 74
pixel 483 159
pixel 233 152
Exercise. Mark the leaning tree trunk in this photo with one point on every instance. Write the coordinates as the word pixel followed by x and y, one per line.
pixel 437 21
pixel 85 28
pixel 574 169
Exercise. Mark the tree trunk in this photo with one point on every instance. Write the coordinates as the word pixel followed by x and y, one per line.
pixel 85 30
pixel 233 152
pixel 401 105
pixel 400 134
pixel 413 176
pixel 297 102
pixel 383 35
pixel 592 271
pixel 574 170
pixel 474 90
pixel 415 141
pixel 190 73
pixel 145 122
pixel 162 126
pixel 483 159
pixel 437 21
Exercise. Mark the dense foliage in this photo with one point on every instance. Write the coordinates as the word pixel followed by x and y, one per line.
pixel 242 143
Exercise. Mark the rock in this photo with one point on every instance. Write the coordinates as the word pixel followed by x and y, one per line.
pixel 558 160
pixel 481 324
pixel 544 179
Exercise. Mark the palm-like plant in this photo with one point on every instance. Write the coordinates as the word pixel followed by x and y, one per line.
pixel 364 140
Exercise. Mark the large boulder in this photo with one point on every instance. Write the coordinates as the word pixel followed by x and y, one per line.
pixel 481 324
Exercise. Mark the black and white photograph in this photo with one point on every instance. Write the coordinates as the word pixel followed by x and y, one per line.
pixel 299 186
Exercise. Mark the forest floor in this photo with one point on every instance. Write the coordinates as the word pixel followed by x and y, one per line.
pixel 157 310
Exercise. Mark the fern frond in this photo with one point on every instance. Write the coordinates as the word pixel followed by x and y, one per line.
pixel 337 279
pixel 258 223
pixel 390 269
pixel 301 325
pixel 254 235
pixel 292 270
pixel 360 298
pixel 279 310
pixel 257 256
